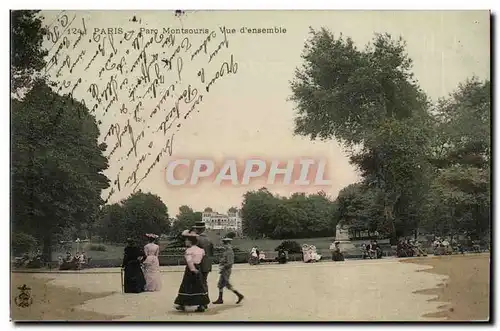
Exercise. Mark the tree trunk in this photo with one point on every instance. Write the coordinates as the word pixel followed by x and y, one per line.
pixel 47 246
pixel 389 205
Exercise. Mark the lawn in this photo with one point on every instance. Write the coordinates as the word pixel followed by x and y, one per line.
pixel 114 251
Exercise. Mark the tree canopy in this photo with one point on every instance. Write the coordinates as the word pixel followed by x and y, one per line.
pixel 27 56
pixel 297 216
pixel 415 158
pixel 57 164
pixel 133 217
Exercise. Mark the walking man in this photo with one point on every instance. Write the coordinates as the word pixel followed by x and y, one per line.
pixel 205 243
pixel 226 266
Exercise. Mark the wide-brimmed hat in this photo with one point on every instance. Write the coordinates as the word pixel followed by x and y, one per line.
pixel 152 235
pixel 188 233
pixel 199 225
pixel 226 239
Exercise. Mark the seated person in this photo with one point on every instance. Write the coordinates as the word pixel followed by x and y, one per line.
pixel 447 249
pixel 378 250
pixel 254 257
pixel 314 254
pixel 281 258
pixel 438 246
pixel 68 257
pixel 404 249
pixel 83 258
pixel 476 246
pixel 69 263
pixel 336 253
pixel 364 251
pixel 307 253
pixel 417 248
pixel 371 250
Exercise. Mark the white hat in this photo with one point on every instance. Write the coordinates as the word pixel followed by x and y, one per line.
pixel 188 233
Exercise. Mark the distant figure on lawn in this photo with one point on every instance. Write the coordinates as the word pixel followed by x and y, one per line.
pixel 134 281
pixel 152 264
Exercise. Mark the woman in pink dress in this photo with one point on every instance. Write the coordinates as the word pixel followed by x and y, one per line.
pixel 192 291
pixel 152 264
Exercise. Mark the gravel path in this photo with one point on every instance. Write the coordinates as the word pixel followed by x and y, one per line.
pixel 373 290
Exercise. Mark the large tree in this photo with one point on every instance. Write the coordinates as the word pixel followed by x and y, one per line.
pixel 462 157
pixel 297 216
pixel 369 101
pixel 57 164
pixel 145 213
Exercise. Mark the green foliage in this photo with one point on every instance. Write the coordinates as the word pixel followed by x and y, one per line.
pixel 186 219
pixel 133 217
pixel 369 101
pixel 298 216
pixel 57 164
pixel 96 247
pixel 27 56
pixel 420 166
pixel 23 243
pixel 461 190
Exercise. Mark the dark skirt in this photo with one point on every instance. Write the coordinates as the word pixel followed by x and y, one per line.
pixel 192 291
pixel 337 256
pixel 134 281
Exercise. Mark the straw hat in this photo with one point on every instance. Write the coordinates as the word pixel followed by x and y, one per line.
pixel 226 239
pixel 188 233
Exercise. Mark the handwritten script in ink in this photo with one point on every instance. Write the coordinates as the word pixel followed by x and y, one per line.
pixel 142 84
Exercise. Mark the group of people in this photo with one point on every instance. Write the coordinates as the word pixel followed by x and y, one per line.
pixel 371 250
pixel 70 262
pixel 141 266
pixel 444 246
pixel 257 257
pixel 199 253
pixel 35 260
pixel 310 254
pixel 409 248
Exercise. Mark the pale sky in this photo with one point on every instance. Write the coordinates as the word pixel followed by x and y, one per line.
pixel 246 114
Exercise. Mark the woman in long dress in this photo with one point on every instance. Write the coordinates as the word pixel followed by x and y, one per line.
pixel 192 291
pixel 133 256
pixel 152 264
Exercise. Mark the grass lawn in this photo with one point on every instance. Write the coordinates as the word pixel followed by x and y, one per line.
pixel 114 251
pixel 266 245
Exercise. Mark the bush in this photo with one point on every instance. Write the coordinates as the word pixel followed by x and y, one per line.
pixel 290 246
pixel 96 247
pixel 23 243
pixel 231 235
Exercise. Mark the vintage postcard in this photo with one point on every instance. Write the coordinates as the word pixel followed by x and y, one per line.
pixel 185 165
